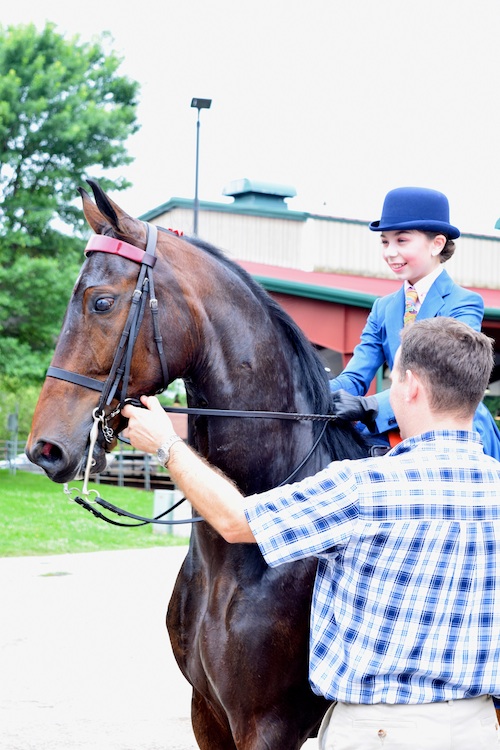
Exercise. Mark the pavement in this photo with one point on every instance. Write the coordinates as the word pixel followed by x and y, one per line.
pixel 85 659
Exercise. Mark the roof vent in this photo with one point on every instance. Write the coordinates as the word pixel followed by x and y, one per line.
pixel 253 194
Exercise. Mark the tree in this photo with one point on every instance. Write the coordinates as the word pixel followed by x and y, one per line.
pixel 64 111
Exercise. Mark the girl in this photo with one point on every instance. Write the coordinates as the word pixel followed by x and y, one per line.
pixel 417 238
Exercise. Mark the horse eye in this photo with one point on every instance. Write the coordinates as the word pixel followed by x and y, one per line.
pixel 103 304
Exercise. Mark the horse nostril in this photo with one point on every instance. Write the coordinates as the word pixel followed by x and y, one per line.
pixel 51 452
pixel 53 459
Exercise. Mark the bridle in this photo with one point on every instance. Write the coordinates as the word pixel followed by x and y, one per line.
pixel 120 368
pixel 120 373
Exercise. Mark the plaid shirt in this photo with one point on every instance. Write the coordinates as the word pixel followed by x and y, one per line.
pixel 406 603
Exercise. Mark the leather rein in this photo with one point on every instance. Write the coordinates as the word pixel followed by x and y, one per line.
pixel 120 373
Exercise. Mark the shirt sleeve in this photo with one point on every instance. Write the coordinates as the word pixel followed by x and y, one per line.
pixel 306 518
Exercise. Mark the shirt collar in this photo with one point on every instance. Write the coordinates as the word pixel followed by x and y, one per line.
pixel 423 285
pixel 445 439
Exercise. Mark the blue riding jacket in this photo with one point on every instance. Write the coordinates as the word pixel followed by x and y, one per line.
pixel 380 341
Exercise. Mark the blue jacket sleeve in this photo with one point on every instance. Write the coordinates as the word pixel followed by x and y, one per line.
pixel 379 339
pixel 468 307
pixel 488 431
pixel 367 357
pixel 385 419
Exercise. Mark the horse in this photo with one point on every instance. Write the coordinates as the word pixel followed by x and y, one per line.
pixel 239 630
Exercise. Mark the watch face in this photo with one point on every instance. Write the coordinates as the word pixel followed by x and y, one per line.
pixel 163 451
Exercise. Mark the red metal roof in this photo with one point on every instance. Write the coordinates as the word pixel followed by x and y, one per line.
pixel 364 284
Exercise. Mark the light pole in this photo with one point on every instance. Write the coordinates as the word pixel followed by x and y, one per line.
pixel 199 104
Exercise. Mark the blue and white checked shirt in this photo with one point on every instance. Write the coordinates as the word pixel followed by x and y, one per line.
pixel 406 603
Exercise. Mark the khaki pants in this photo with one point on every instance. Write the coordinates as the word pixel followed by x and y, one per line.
pixel 452 725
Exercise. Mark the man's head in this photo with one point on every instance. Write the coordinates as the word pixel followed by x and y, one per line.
pixel 452 362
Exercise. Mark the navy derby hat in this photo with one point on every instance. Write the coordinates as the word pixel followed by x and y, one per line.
pixel 416 208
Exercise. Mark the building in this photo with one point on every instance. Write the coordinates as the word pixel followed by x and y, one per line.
pixel 325 271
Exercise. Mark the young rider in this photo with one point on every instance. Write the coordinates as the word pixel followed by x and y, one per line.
pixel 417 239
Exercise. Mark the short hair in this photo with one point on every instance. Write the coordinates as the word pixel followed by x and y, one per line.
pixel 454 361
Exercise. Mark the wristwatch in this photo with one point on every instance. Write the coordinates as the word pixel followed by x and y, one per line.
pixel 163 451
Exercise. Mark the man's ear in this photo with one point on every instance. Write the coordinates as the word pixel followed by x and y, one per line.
pixel 413 386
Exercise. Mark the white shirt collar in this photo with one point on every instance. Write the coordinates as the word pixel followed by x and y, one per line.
pixel 423 285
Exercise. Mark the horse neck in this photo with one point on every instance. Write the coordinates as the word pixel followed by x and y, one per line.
pixel 244 360
pixel 237 357
pixel 251 367
pixel 244 355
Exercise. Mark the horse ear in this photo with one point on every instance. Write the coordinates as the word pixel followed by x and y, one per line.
pixel 92 213
pixel 105 214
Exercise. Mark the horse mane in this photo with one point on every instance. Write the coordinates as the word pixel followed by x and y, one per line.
pixel 342 439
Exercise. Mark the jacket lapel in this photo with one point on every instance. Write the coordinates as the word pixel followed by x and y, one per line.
pixel 432 305
pixel 435 297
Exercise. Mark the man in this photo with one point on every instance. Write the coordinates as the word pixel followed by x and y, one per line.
pixel 405 620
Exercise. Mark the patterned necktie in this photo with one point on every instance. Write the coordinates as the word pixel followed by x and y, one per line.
pixel 410 306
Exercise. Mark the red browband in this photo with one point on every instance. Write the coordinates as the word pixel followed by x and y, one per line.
pixel 102 244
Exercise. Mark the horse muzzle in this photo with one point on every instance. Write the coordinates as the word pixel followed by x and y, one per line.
pixel 61 465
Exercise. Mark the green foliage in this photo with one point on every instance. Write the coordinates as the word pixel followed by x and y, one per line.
pixel 16 397
pixel 64 111
pixel 493 404
pixel 31 315
pixel 174 394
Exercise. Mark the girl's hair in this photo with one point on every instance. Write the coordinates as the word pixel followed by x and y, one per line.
pixel 447 250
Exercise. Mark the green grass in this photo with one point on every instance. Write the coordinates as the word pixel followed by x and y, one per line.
pixel 39 519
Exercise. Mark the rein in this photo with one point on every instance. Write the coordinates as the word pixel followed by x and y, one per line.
pixel 88 504
pixel 120 373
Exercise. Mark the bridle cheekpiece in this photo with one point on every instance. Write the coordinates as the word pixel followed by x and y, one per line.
pixel 120 369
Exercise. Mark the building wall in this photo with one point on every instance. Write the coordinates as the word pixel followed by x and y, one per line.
pixel 315 243
pixel 246 237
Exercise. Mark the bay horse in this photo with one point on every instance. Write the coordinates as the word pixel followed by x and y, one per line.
pixel 239 629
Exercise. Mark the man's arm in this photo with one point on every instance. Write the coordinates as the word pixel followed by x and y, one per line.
pixel 211 493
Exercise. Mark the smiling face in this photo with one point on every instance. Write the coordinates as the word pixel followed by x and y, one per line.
pixel 411 254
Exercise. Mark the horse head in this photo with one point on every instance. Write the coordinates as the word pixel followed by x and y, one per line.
pixel 91 334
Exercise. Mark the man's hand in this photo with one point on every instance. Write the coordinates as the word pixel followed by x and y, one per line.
pixel 213 495
pixel 147 428
pixel 355 408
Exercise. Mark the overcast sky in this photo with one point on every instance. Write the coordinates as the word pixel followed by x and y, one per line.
pixel 341 99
